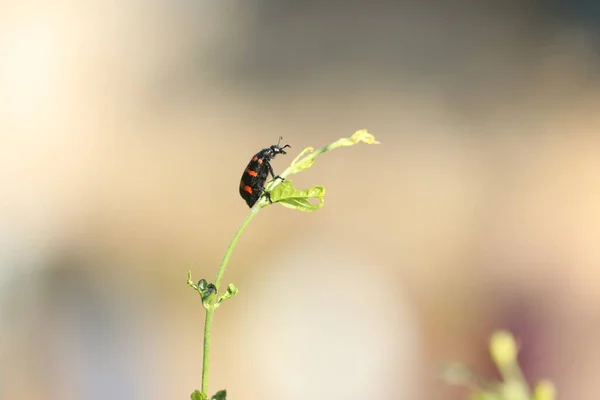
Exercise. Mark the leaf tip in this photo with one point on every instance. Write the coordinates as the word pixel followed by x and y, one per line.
pixel 503 348
pixel 220 395
pixel 364 136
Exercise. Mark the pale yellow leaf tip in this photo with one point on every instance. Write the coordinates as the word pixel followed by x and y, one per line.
pixel 544 390
pixel 302 153
pixel 363 136
pixel 503 348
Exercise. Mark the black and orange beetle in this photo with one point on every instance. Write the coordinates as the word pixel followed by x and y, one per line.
pixel 252 184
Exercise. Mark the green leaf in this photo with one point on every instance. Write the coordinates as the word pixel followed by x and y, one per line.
pixel 359 136
pixel 363 136
pixel 198 395
pixel 220 395
pixel 190 282
pixel 302 153
pixel 287 195
pixel 308 156
pixel 231 291
pixel 301 164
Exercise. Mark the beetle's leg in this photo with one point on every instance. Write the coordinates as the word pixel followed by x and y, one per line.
pixel 270 169
pixel 272 173
pixel 267 195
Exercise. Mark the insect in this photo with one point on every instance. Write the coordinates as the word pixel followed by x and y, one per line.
pixel 252 184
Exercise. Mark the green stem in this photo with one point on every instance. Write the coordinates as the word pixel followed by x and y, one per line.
pixel 211 310
pixel 234 240
pixel 297 165
pixel 206 352
pixel 306 160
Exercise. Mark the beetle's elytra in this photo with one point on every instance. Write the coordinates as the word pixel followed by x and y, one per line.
pixel 252 184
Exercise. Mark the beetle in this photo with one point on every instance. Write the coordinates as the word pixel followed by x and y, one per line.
pixel 252 183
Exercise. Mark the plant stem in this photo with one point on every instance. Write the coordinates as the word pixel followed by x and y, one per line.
pixel 206 352
pixel 298 164
pixel 234 240
pixel 210 311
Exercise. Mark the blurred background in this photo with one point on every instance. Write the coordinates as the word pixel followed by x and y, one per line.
pixel 125 127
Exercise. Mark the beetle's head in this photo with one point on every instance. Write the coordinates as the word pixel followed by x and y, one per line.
pixel 279 150
pixel 276 149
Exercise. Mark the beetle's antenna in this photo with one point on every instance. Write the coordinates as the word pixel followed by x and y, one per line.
pixel 279 141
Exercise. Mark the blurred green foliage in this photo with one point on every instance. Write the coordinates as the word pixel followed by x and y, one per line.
pixel 513 386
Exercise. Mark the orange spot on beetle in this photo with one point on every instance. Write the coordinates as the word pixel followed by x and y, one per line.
pixel 248 189
pixel 254 158
pixel 252 173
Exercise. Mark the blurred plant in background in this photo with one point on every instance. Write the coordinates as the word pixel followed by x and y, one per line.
pixel 512 386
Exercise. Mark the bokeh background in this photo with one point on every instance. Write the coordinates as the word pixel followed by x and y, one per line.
pixel 125 127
